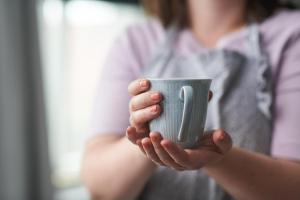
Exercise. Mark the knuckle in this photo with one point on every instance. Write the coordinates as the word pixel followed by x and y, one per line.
pixel 132 120
pixel 147 114
pixel 137 119
pixel 144 101
pixel 132 105
pixel 141 117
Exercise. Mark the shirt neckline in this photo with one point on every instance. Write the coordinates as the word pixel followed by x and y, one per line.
pixel 191 40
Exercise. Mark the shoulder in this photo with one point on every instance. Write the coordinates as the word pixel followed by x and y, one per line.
pixel 283 17
pixel 151 29
pixel 281 26
pixel 142 38
pixel 280 33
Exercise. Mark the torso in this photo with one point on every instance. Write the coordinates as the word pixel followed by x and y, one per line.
pixel 276 32
pixel 250 128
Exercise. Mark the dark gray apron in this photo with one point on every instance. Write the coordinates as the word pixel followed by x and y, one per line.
pixel 241 105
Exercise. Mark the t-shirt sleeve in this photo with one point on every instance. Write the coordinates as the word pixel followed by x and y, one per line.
pixel 286 135
pixel 110 113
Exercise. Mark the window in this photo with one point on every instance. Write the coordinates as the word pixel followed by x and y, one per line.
pixel 76 37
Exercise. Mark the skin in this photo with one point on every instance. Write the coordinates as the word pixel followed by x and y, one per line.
pixel 213 19
pixel 243 174
pixel 111 175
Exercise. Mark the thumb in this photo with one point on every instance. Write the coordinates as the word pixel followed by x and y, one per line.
pixel 222 140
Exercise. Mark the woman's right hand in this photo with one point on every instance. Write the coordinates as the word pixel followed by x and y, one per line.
pixel 143 107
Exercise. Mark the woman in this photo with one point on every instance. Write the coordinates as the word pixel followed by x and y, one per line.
pixel 251 49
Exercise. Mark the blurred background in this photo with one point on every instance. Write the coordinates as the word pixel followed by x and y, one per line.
pixel 76 36
pixel 51 53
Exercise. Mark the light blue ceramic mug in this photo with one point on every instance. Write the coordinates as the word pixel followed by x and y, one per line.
pixel 184 108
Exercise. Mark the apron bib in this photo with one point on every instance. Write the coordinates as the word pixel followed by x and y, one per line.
pixel 241 105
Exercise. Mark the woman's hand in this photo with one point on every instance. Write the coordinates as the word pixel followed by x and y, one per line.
pixel 212 148
pixel 143 107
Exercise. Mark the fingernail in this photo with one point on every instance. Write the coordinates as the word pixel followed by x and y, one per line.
pixel 154 109
pixel 222 136
pixel 155 96
pixel 143 84
pixel 145 143
pixel 154 138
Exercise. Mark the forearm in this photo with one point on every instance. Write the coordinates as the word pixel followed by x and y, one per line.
pixel 246 175
pixel 116 171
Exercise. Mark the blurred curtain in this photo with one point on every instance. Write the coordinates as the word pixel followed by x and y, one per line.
pixel 24 167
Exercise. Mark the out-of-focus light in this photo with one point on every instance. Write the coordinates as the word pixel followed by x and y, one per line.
pixel 53 11
pixel 91 13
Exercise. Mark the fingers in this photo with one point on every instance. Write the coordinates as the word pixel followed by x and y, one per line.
pixel 161 153
pixel 176 153
pixel 143 107
pixel 206 140
pixel 139 143
pixel 150 152
pixel 138 86
pixel 144 100
pixel 140 117
pixel 222 140
pixel 133 135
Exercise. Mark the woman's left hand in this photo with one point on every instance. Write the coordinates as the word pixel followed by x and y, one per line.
pixel 212 148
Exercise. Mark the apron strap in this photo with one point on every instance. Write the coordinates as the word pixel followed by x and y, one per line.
pixel 254 41
pixel 264 75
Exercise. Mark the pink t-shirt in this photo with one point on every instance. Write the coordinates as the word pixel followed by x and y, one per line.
pixel 132 51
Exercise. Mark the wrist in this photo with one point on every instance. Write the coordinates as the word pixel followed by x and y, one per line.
pixel 139 156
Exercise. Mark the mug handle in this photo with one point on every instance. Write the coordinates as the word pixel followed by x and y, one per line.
pixel 186 95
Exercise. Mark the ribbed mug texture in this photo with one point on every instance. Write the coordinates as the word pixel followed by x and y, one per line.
pixel 169 122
